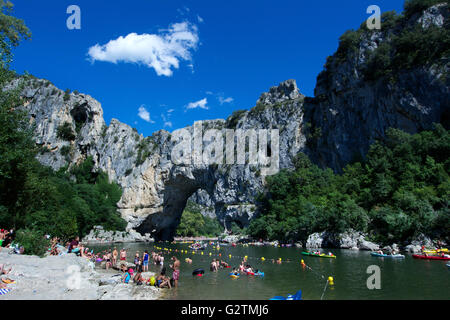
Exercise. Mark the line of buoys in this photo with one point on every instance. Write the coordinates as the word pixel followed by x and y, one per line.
pixel 245 258
pixel 330 281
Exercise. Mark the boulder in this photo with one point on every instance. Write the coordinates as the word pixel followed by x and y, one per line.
pixel 314 241
pixel 120 263
pixel 367 245
pixel 413 248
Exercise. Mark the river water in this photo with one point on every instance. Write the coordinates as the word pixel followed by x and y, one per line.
pixel 400 278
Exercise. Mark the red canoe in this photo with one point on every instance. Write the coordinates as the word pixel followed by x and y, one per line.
pixel 418 256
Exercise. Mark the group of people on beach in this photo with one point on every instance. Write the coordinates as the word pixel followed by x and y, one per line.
pixel 6 238
pixel 141 266
pixel 113 258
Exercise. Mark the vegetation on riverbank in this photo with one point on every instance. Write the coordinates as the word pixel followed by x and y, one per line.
pixel 402 189
pixel 194 224
pixel 34 197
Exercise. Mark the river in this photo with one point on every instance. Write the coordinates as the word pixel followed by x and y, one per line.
pixel 400 278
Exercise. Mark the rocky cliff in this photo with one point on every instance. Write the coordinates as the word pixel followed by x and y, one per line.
pixel 360 95
pixel 349 111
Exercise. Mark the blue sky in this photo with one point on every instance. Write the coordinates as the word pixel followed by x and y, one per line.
pixel 228 52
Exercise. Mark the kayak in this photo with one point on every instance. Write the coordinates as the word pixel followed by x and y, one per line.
pixel 418 256
pixel 234 276
pixel 259 274
pixel 436 251
pixel 448 265
pixel 398 256
pixel 297 296
pixel 323 255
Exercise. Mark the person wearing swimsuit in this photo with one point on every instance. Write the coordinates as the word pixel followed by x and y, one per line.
pixel 145 261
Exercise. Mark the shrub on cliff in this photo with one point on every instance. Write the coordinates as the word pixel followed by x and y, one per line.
pixel 65 132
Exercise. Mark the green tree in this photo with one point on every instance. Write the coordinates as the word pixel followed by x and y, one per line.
pixel 12 31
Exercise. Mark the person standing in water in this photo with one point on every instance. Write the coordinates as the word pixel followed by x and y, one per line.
pixel 114 256
pixel 161 260
pixel 176 271
pixel 213 266
pixel 123 254
pixel 145 261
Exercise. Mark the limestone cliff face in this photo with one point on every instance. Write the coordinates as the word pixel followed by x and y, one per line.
pixel 346 116
pixel 156 188
pixel 350 112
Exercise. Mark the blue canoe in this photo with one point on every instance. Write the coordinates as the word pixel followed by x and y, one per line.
pixel 395 256
pixel 297 296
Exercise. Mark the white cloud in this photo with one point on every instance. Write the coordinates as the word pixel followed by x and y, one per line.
pixel 144 114
pixel 161 52
pixel 200 19
pixel 170 110
pixel 223 100
pixel 168 124
pixel 198 104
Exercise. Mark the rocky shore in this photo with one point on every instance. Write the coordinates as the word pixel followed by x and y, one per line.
pixel 351 240
pixel 68 277
pixel 354 240
pixel 98 235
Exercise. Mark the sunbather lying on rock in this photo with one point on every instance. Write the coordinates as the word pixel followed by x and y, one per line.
pixel 3 269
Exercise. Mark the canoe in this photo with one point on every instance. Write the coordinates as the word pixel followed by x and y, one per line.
pixel 418 256
pixel 397 256
pixel 323 255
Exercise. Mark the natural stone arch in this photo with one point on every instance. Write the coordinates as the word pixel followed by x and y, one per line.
pixel 182 183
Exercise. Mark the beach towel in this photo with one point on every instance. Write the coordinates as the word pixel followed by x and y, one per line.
pixel 4 291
